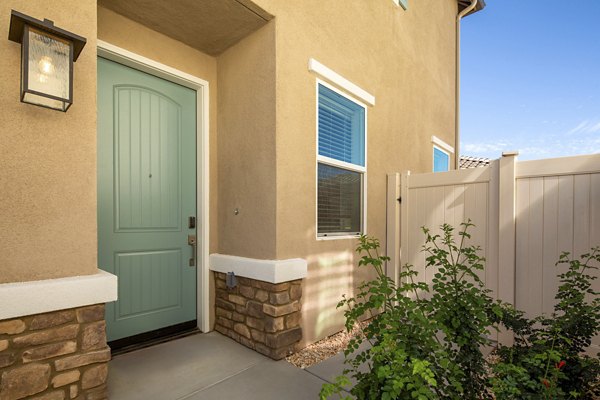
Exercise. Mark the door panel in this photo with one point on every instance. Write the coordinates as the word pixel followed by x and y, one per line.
pixel 147 138
pixel 146 282
pixel 146 192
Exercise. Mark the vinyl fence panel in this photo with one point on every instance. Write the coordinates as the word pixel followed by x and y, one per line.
pixel 558 203
pixel 525 214
pixel 454 197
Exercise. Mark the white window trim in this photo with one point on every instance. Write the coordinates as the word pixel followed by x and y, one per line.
pixel 341 83
pixel 403 4
pixel 339 164
pixel 445 147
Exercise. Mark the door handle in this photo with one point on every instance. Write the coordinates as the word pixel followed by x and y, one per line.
pixel 192 242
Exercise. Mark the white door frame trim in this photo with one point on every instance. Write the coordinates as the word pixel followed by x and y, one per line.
pixel 125 57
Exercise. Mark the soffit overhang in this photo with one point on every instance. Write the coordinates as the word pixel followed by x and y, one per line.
pixel 462 4
pixel 206 25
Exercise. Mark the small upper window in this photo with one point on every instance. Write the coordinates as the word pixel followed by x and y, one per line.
pixel 402 3
pixel 340 164
pixel 441 154
pixel 341 128
pixel 441 160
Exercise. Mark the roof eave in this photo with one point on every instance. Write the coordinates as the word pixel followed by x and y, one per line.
pixel 462 4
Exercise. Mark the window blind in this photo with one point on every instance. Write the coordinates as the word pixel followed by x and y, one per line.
pixel 339 200
pixel 341 128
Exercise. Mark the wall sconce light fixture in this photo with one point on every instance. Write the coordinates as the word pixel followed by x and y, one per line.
pixel 47 57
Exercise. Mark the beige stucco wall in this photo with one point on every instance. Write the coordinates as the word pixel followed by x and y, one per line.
pixel 406 60
pixel 262 134
pixel 48 158
pixel 247 153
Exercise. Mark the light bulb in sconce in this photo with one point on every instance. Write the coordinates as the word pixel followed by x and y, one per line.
pixel 46 66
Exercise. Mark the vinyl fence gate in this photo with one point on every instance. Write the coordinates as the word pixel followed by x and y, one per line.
pixel 525 214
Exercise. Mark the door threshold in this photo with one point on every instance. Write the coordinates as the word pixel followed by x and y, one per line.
pixel 152 338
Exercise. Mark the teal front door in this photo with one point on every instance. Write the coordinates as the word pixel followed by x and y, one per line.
pixel 146 196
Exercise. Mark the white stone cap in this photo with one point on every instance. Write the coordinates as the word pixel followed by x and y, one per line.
pixel 272 271
pixel 18 299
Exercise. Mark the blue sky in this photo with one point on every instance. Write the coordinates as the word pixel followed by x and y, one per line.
pixel 530 79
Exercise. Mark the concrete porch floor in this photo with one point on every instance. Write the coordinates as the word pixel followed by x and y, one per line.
pixel 212 366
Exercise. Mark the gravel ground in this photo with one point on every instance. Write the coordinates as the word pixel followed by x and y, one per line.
pixel 331 345
pixel 323 349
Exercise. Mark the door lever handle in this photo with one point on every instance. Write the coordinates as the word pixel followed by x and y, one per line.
pixel 192 242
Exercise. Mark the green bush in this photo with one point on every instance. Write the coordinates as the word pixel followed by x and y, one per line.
pixel 546 360
pixel 425 341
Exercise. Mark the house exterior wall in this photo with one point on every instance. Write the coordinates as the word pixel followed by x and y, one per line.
pixel 246 146
pixel 263 158
pixel 48 158
pixel 260 315
pixel 266 118
pixel 57 355
pixel 406 59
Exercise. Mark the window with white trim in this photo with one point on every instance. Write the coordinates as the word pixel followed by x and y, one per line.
pixel 402 3
pixel 441 160
pixel 441 154
pixel 341 164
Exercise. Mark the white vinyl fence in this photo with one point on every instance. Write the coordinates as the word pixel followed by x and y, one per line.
pixel 525 214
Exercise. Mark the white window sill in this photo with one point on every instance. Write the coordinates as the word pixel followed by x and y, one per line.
pixel 339 237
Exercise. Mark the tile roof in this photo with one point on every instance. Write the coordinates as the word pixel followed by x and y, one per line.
pixel 473 162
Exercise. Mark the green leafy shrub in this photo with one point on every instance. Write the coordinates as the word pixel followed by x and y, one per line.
pixel 425 341
pixel 547 356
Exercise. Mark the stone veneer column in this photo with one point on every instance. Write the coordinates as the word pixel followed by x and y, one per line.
pixel 55 356
pixel 260 315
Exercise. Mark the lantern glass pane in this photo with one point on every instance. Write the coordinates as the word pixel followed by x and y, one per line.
pixel 48 66
pixel 45 101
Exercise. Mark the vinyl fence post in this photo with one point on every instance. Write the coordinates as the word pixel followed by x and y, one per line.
pixel 392 246
pixel 507 233
pixel 404 210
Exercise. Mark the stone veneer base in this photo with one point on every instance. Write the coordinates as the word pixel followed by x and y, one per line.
pixel 260 315
pixel 55 356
